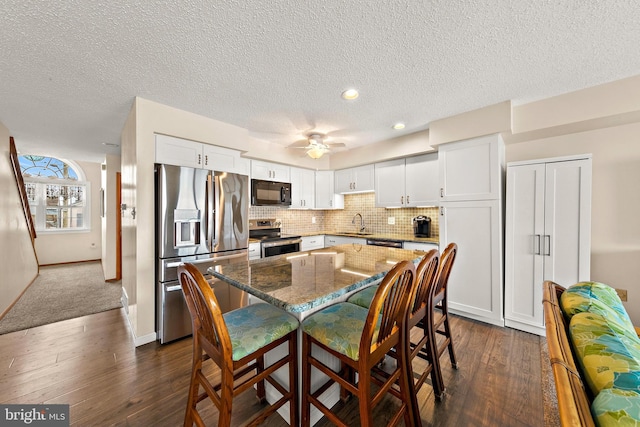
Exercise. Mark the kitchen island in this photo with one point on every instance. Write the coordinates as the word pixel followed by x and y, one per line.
pixel 305 282
pixel 302 282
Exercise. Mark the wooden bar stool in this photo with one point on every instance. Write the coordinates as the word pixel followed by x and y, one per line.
pixel 419 316
pixel 236 342
pixel 360 338
pixel 438 304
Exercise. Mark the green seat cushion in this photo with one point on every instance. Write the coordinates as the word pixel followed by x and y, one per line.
pixel 597 298
pixel 616 407
pixel 602 353
pixel 256 325
pixel 338 327
pixel 364 297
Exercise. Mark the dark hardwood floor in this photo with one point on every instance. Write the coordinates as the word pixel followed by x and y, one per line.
pixel 91 364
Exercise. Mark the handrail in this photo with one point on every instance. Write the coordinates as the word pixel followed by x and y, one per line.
pixel 15 163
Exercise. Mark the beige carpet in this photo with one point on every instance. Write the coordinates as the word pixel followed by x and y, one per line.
pixel 62 292
pixel 549 397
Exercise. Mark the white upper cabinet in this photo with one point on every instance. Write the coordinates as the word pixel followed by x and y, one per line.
pixel 355 180
pixel 270 171
pixel 326 196
pixel 224 160
pixel 183 152
pixel 407 182
pixel 471 169
pixel 303 184
pixel 178 152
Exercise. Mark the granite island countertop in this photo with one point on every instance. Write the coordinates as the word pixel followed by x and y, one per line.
pixel 301 281
pixel 382 236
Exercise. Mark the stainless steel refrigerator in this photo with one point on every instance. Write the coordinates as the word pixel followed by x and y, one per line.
pixel 202 218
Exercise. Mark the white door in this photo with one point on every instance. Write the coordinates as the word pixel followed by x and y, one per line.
pixel 567 237
pixel 524 263
pixel 547 228
pixel 475 284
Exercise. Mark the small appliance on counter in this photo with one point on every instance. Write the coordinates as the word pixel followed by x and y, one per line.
pixel 422 226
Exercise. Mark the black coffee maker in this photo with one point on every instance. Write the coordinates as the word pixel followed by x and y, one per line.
pixel 422 226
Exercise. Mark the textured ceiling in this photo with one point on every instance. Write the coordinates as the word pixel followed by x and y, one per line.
pixel 71 69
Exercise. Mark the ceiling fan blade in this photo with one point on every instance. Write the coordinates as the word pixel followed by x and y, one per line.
pixel 303 143
pixel 335 144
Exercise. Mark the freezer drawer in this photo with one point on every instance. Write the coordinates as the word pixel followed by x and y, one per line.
pixel 174 321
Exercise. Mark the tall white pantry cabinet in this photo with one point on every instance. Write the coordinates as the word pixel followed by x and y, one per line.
pixel 471 193
pixel 547 229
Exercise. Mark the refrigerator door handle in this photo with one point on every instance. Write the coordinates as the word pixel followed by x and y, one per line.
pixel 210 212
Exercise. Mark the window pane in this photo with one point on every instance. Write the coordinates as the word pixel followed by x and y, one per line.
pixel 53 194
pixel 52 221
pixel 75 195
pixel 30 188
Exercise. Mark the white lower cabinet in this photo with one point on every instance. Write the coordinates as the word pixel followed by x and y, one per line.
pixel 255 251
pixel 310 243
pixel 547 230
pixel 417 246
pixel 331 240
pixel 475 283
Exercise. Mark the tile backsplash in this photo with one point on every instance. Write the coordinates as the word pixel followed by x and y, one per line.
pixel 376 220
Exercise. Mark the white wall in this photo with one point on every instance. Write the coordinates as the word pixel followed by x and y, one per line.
pixel 18 261
pixel 110 168
pixel 55 248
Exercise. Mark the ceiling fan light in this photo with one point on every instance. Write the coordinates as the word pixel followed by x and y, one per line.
pixel 316 152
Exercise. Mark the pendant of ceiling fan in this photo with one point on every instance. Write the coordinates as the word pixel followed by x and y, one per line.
pixel 316 145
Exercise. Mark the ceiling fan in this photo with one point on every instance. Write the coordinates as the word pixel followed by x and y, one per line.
pixel 316 145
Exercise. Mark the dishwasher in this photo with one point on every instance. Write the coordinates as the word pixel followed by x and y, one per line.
pixel 389 243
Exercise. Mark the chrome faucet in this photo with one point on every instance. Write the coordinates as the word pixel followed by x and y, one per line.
pixel 353 221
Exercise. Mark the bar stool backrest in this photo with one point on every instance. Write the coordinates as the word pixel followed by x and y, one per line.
pixel 209 327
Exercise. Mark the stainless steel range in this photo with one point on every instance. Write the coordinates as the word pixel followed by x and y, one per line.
pixel 272 241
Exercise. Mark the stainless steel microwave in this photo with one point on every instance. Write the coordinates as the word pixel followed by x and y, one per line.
pixel 270 193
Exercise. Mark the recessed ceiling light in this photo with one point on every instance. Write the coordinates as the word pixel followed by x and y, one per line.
pixel 350 94
pixel 110 144
pixel 398 126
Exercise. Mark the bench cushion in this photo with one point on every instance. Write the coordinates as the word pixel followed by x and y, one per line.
pixel 616 407
pixel 597 298
pixel 602 353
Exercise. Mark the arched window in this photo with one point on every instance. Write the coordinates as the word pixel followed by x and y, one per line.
pixel 58 193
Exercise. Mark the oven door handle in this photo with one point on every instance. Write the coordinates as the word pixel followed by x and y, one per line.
pixel 281 243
